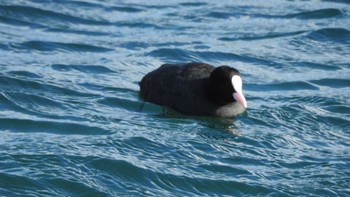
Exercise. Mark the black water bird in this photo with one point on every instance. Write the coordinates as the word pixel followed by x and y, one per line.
pixel 195 89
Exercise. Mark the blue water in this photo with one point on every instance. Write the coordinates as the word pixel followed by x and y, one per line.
pixel 70 119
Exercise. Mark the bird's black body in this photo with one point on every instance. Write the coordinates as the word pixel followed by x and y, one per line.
pixel 191 89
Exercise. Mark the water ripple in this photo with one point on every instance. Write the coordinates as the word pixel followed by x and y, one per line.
pixel 172 183
pixel 261 37
pixel 317 14
pixel 334 83
pixel 312 65
pixel 55 46
pixel 30 14
pixel 96 69
pixel 35 125
pixel 285 86
pixel 331 34
pixel 187 55
pixel 313 14
pixel 11 83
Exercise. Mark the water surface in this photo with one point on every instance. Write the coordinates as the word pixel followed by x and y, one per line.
pixel 70 123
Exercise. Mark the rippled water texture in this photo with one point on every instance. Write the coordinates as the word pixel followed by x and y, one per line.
pixel 70 119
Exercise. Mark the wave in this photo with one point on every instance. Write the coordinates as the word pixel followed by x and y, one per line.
pixel 140 24
pixel 75 31
pixel 33 187
pixel 121 103
pixel 25 74
pixel 127 9
pixel 339 35
pixel 102 5
pixel 284 86
pixel 221 15
pixel 93 69
pixel 18 22
pixel 313 14
pixel 181 55
pixel 313 100
pixel 332 83
pixel 46 46
pixel 194 4
pixel 8 84
pixel 32 113
pixel 49 126
pixel 33 102
pixel 261 37
pixel 316 14
pixel 48 27
pixel 142 178
pixel 339 1
pixel 318 66
pixel 72 187
pixel 34 15
pixel 57 21
pixel 36 183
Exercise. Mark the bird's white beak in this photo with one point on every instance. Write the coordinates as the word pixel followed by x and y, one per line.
pixel 240 99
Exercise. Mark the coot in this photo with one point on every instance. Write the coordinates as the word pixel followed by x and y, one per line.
pixel 195 89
